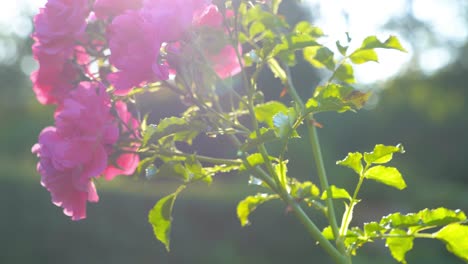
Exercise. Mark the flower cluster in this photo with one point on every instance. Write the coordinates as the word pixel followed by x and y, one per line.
pixel 91 54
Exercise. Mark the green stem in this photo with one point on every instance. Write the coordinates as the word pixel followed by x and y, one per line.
pixel 349 212
pixel 314 141
pixel 316 234
pixel 199 157
pixel 312 229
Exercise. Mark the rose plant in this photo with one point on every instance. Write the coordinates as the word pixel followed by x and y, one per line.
pixel 97 56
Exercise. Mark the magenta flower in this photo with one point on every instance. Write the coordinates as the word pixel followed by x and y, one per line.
pixel 135 40
pixel 76 150
pixel 59 25
pixel 110 8
pixel 63 181
pixel 86 114
pixel 126 161
pixel 225 61
pixel 172 19
pixel 134 49
pixel 51 83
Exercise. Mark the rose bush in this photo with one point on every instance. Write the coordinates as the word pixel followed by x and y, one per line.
pixel 97 57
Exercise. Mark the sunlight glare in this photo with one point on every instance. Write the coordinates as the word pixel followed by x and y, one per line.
pixel 362 18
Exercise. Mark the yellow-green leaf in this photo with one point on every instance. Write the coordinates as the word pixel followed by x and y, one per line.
pixel 319 57
pixel 455 236
pixel 160 217
pixel 382 154
pixel 386 175
pixel 353 161
pixel 265 112
pixel 249 204
pixel 399 246
pixel 335 193
pixel 345 73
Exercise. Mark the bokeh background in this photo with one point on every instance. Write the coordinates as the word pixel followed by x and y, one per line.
pixel 420 99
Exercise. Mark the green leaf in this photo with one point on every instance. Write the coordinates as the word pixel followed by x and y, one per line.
pixel 327 232
pixel 195 170
pixel 363 56
pixel 172 170
pixel 254 160
pixel 353 161
pixel 179 128
pixel 345 73
pixel 284 124
pixel 355 239
pixel 160 217
pixel 256 28
pixel 372 229
pixel 144 163
pixel 399 246
pixel 382 154
pixel 397 220
pixel 367 53
pixel 304 190
pixel 266 112
pixel 275 67
pixel 266 135
pixel 304 35
pixel 249 204
pixel 335 193
pixel 305 28
pixel 336 97
pixel 372 42
pixel 256 13
pixel 320 57
pixel 441 216
pixel 455 236
pixel 427 217
pixel 333 96
pixel 281 171
pixel 341 49
pixel 147 134
pixel 386 175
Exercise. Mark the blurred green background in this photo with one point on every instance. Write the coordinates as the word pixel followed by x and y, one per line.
pixel 425 108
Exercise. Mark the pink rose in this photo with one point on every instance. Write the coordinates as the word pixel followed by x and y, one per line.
pixel 135 40
pixel 60 24
pixel 225 61
pixel 51 83
pixel 110 8
pixel 76 150
pixel 134 49
pixel 86 114
pixel 172 18
pixel 126 162
pixel 63 181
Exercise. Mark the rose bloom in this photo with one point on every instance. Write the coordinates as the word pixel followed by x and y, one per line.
pixel 59 24
pixel 136 36
pixel 59 176
pixel 110 8
pixel 76 150
pixel 224 59
pixel 126 161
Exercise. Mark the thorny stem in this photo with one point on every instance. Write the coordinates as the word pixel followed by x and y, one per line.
pixel 318 158
pixel 312 229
